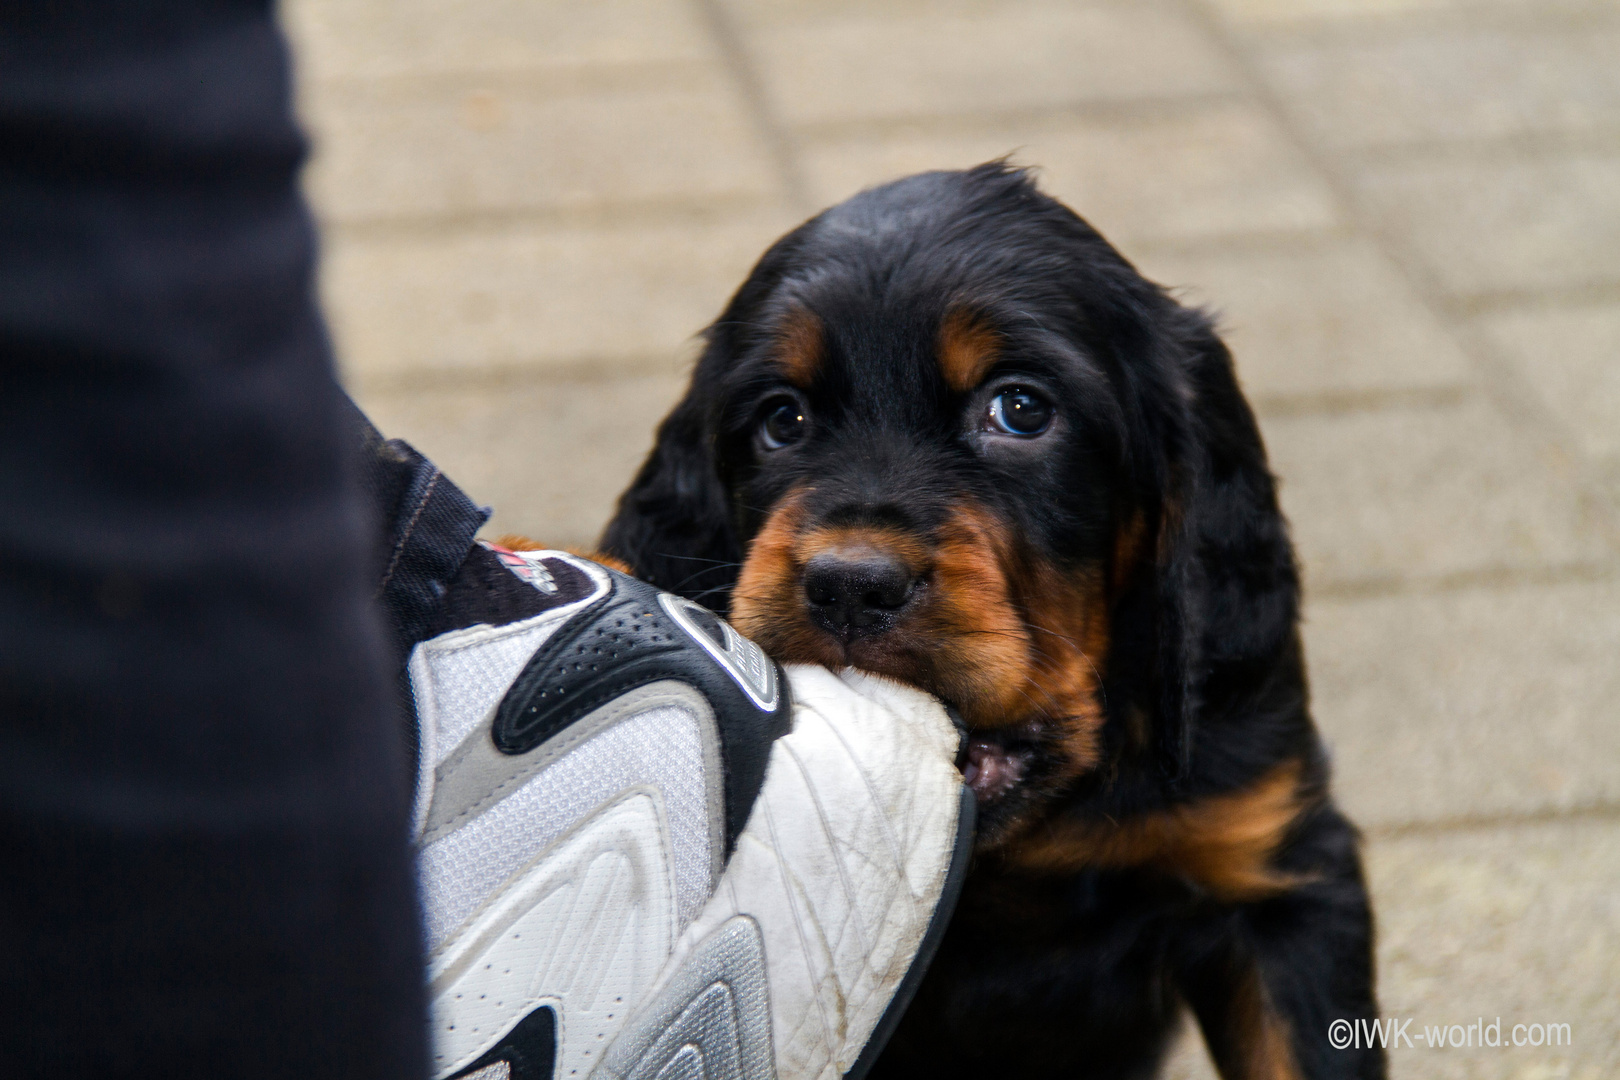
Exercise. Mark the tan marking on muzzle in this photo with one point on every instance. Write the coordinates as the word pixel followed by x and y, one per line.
pixel 767 603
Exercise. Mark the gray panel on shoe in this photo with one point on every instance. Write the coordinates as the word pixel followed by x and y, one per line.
pixel 476 777
pixel 712 1021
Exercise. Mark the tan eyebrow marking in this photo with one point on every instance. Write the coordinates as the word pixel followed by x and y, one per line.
pixel 968 348
pixel 800 347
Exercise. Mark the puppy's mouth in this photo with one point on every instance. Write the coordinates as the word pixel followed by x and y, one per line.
pixel 997 762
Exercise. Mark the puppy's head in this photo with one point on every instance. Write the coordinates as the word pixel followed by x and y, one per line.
pixel 945 433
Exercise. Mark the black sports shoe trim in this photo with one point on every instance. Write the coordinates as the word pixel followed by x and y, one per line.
pixel 484 590
pixel 633 636
pixel 955 876
pixel 529 1049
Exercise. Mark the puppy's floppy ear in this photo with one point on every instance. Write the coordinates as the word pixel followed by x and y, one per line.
pixel 1227 589
pixel 672 525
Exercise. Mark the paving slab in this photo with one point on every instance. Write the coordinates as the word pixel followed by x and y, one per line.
pixel 534 297
pixel 467 145
pixel 1470 703
pixel 359 39
pixel 1450 83
pixel 551 456
pixel 1195 171
pixel 1330 321
pixel 1571 357
pixel 840 64
pixel 1485 225
pixel 1403 494
pixel 1519 922
pixel 1189 1060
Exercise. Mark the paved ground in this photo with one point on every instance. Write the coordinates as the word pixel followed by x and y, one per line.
pixel 1408 210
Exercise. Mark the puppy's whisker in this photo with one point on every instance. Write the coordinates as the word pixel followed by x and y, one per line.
pixel 699 573
pixel 695 558
pixel 702 594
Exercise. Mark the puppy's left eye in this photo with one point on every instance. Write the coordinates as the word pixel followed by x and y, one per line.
pixel 1018 411
pixel 782 424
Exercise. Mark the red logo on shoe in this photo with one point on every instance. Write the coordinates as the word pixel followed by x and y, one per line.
pixel 525 564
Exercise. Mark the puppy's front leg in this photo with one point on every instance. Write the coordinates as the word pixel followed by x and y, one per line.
pixel 1266 978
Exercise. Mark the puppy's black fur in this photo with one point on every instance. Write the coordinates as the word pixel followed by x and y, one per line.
pixel 1157 830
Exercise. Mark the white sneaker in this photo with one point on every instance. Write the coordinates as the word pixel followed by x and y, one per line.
pixel 647 851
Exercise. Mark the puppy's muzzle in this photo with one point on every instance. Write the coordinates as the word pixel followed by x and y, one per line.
pixel 858 592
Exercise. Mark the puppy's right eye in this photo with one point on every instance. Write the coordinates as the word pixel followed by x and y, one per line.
pixel 783 424
pixel 1020 412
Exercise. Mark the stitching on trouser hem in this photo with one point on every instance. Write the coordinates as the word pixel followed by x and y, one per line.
pixel 410 527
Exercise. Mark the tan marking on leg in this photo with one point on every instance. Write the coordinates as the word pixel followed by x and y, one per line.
pixel 1253 1043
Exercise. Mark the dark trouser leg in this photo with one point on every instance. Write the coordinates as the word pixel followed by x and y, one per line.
pixel 203 854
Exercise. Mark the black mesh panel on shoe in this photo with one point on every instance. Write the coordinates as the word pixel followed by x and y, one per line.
pixel 629 638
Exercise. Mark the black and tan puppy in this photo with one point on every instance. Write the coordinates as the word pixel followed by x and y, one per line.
pixel 944 432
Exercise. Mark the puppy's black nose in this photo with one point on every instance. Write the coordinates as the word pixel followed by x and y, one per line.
pixel 855 595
